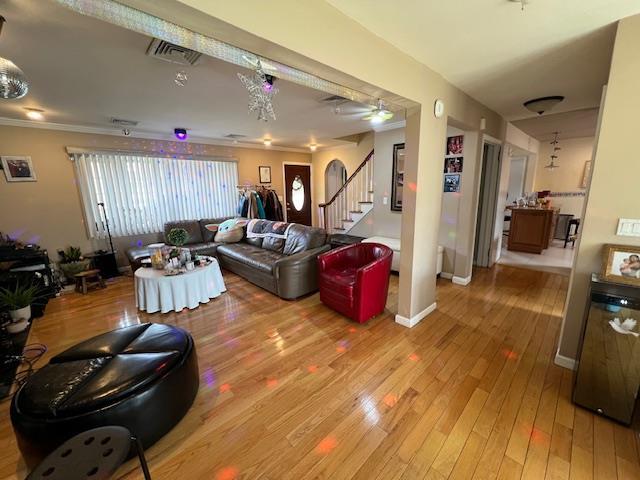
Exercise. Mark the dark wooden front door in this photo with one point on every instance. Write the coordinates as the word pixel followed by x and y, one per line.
pixel 297 191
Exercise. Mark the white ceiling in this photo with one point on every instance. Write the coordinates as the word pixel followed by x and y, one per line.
pixel 579 123
pixel 83 71
pixel 499 54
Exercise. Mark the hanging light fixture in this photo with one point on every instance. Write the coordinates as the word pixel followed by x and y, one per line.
pixel 542 104
pixel 552 164
pixel 13 83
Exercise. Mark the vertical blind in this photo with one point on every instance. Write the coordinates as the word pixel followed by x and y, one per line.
pixel 140 193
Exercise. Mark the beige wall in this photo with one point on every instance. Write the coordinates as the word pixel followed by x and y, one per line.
pixel 351 155
pixel 48 211
pixel 568 178
pixel 613 167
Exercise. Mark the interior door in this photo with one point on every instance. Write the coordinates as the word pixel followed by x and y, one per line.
pixel 297 188
pixel 487 201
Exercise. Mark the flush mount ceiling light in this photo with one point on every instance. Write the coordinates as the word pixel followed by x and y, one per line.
pixel 379 114
pixel 543 104
pixel 313 147
pixel 35 113
pixel 552 164
pixel 261 92
pixel 267 142
pixel 13 83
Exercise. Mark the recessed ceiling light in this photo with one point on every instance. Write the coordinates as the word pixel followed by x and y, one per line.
pixel 267 142
pixel 313 147
pixel 35 113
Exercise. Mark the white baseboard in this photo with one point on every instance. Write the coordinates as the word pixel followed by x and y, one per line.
pixel 446 275
pixel 461 280
pixel 565 362
pixel 413 321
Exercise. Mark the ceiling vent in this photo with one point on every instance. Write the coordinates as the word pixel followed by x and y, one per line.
pixel 234 136
pixel 121 122
pixel 170 52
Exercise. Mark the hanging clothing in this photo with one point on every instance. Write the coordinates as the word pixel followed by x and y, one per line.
pixel 259 206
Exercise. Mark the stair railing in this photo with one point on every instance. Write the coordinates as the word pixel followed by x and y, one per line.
pixel 348 199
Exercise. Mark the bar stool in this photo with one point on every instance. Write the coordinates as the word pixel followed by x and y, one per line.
pixel 95 454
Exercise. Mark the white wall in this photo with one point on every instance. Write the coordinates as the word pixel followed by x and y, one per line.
pixel 381 220
pixel 517 174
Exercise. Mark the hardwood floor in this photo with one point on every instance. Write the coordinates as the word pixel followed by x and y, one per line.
pixel 292 390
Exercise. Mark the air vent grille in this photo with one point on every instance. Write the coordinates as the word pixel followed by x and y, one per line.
pixel 234 136
pixel 121 122
pixel 170 52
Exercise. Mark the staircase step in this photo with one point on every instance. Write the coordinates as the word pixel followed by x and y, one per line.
pixel 347 220
pixel 355 211
pixel 338 228
pixel 371 191
pixel 366 202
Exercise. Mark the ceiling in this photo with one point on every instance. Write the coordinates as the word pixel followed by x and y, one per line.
pixel 579 123
pixel 83 72
pixel 499 54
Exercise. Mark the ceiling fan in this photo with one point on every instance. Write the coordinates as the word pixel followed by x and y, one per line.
pixel 379 114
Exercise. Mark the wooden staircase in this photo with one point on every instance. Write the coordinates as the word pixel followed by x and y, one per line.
pixel 352 202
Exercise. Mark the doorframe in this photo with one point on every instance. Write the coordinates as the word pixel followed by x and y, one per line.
pixel 284 191
pixel 487 139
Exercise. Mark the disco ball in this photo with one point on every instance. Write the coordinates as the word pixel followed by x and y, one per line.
pixel 13 83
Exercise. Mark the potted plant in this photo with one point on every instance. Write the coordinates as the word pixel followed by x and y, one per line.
pixel 18 301
pixel 177 237
pixel 72 262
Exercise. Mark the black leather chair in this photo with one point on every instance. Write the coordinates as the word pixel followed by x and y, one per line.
pixel 144 378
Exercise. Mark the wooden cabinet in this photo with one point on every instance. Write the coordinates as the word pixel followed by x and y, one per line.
pixel 531 229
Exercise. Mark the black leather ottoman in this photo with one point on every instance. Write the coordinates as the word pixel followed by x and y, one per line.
pixel 143 377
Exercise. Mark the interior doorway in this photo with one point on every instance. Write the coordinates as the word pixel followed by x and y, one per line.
pixel 487 201
pixel 297 188
pixel 335 176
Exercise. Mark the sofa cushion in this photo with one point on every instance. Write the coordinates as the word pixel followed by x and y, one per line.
pixel 233 235
pixel 191 226
pixel 301 238
pixel 209 248
pixel 259 258
pixel 274 244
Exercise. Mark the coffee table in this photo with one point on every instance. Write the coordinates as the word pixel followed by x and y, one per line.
pixel 157 292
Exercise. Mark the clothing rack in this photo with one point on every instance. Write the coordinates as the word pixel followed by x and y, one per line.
pixel 266 203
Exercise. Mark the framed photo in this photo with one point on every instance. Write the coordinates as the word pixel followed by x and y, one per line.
pixel 18 169
pixel 453 164
pixel 397 177
pixel 265 174
pixel 621 264
pixel 455 145
pixel 452 183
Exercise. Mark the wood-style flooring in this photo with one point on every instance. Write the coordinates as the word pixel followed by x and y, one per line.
pixel 292 390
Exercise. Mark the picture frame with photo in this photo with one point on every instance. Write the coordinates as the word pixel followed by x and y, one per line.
pixel 455 145
pixel 18 169
pixel 621 264
pixel 397 177
pixel 264 173
pixel 453 164
pixel 452 183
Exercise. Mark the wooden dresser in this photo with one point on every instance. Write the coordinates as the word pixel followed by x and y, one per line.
pixel 532 229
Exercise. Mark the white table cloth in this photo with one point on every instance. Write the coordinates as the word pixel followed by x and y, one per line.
pixel 156 292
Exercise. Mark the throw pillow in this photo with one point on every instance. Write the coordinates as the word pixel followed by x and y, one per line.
pixel 233 235
pixel 212 227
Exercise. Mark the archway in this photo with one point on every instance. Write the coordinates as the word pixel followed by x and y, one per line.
pixel 335 175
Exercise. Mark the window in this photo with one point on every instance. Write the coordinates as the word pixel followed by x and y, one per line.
pixel 297 193
pixel 140 193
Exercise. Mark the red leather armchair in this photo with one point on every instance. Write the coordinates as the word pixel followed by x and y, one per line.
pixel 354 280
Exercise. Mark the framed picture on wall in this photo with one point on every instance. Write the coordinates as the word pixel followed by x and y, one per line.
pixel 18 169
pixel 397 177
pixel 453 164
pixel 455 145
pixel 265 174
pixel 621 264
pixel 452 183
pixel 586 174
